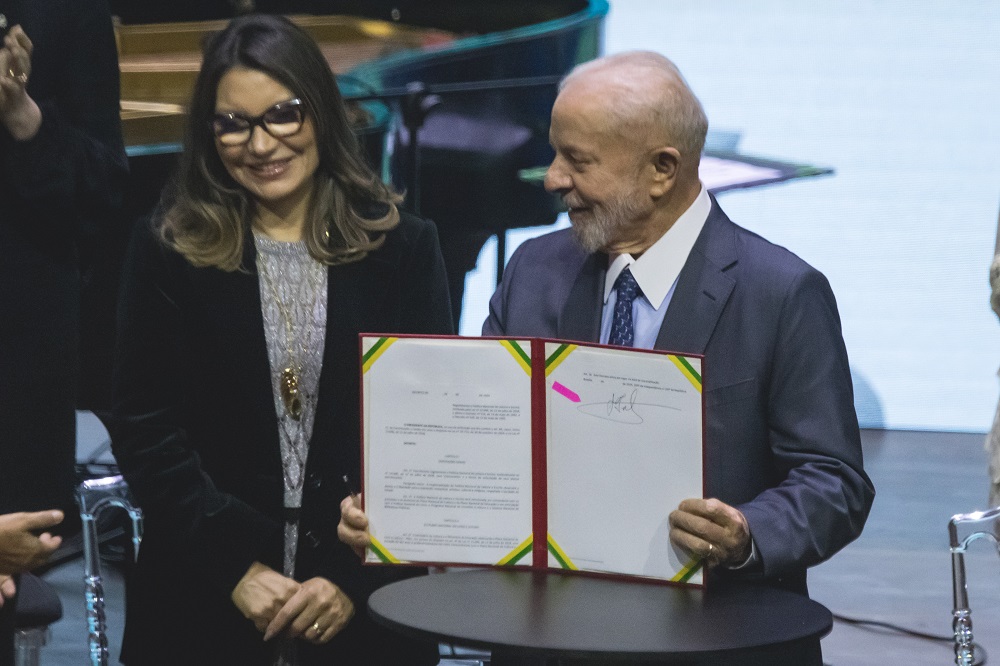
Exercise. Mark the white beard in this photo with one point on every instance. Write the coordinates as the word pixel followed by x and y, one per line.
pixel 608 221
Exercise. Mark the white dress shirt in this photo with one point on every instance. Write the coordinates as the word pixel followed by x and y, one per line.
pixel 656 272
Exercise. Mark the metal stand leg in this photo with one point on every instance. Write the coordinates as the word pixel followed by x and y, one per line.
pixel 961 615
pixel 963 529
pixel 28 645
pixel 94 593
pixel 94 496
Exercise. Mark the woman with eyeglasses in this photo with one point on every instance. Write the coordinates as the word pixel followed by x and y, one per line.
pixel 237 376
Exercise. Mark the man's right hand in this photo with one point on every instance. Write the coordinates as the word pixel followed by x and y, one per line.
pixel 261 593
pixel 24 541
pixel 711 530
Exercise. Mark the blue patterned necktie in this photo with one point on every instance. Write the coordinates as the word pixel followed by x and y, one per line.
pixel 622 330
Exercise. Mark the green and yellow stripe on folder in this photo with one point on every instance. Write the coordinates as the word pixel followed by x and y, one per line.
pixel 687 370
pixel 516 555
pixel 561 557
pixel 688 570
pixel 376 350
pixel 558 356
pixel 382 553
pixel 519 354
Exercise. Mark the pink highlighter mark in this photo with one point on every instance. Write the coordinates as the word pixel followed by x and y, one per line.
pixel 565 392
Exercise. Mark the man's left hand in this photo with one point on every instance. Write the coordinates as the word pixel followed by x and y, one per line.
pixel 712 530
pixel 353 526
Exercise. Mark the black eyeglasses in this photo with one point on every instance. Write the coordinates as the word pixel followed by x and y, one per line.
pixel 281 120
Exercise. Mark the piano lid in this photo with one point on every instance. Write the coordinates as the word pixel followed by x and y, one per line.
pixel 380 42
pixel 159 63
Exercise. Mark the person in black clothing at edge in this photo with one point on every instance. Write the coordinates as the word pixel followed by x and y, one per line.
pixel 62 173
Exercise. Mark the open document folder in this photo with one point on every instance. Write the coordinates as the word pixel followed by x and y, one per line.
pixel 529 452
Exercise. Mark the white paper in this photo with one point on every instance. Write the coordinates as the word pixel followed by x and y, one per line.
pixel 448 451
pixel 624 448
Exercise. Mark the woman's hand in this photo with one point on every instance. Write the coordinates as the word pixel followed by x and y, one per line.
pixel 18 112
pixel 262 593
pixel 353 526
pixel 316 613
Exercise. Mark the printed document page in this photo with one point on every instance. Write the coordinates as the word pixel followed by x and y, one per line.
pixel 624 448
pixel 447 437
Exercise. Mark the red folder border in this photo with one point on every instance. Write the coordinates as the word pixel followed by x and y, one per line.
pixel 539 468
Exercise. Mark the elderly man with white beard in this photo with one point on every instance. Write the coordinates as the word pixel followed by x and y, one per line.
pixel 652 261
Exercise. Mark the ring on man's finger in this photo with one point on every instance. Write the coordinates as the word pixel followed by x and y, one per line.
pixel 711 547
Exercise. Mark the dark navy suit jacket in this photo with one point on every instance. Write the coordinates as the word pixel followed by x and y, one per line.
pixel 782 440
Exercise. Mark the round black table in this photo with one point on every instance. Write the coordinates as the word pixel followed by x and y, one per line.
pixel 550 614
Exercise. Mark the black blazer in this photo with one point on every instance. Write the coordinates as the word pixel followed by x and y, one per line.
pixel 195 433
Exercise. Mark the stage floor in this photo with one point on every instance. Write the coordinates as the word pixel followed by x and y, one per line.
pixel 899 571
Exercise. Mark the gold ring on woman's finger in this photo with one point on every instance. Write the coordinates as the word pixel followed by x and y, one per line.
pixel 317 628
pixel 23 78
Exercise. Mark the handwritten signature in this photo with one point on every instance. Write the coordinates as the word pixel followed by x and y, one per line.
pixel 617 404
pixel 620 408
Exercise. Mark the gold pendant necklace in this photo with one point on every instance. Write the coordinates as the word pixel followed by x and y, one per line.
pixel 289 387
pixel 289 381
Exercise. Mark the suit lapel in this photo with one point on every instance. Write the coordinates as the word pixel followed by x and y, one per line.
pixel 580 318
pixel 703 288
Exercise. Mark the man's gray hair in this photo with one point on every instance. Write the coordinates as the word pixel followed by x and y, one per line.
pixel 648 92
